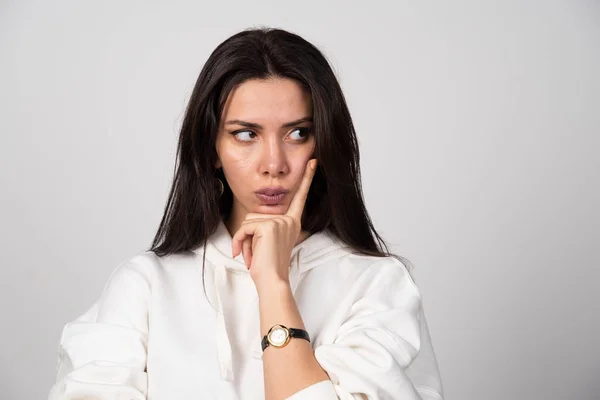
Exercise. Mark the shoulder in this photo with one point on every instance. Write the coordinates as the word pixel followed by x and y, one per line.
pixel 146 266
pixel 382 274
pixel 355 276
pixel 142 266
pixel 380 265
pixel 356 266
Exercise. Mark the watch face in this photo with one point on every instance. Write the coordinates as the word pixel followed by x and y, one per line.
pixel 278 336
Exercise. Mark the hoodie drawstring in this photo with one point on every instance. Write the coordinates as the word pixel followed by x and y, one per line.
pixel 224 353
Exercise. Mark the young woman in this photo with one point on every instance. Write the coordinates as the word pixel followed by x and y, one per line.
pixel 266 278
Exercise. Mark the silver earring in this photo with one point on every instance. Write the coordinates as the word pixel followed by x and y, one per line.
pixel 221 187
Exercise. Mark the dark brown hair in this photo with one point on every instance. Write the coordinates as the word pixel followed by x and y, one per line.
pixel 335 201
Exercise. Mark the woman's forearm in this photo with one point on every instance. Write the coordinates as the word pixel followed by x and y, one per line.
pixel 293 367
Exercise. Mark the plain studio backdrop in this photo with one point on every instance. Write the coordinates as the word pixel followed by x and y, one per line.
pixel 479 131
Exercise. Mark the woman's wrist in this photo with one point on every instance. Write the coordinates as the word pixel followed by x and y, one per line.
pixel 277 306
pixel 271 284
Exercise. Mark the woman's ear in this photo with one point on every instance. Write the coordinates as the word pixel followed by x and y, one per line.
pixel 218 164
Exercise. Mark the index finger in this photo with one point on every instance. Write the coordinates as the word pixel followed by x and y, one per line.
pixel 297 204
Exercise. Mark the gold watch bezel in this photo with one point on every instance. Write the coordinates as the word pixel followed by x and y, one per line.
pixel 287 336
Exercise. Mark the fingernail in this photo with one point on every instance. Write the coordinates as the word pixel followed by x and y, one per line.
pixel 313 164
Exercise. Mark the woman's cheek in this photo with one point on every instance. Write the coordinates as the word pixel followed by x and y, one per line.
pixel 237 168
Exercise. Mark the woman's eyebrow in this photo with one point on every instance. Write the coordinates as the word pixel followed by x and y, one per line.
pixel 257 126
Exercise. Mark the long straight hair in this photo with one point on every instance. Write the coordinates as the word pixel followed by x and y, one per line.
pixel 335 201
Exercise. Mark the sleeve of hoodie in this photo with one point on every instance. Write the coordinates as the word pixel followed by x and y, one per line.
pixel 380 348
pixel 102 354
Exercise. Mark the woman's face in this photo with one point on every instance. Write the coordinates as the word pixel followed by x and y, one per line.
pixel 264 141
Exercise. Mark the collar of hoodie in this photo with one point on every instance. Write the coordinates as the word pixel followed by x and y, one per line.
pixel 312 252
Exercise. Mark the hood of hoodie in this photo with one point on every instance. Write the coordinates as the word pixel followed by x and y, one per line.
pixel 315 250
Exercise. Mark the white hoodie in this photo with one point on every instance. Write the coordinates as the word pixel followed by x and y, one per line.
pixel 154 334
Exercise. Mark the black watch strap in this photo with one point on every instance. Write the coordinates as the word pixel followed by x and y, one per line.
pixel 294 333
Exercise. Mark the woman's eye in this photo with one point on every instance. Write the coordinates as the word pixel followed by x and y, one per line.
pixel 300 133
pixel 244 136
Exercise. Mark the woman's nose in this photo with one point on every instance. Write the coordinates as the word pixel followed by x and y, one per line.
pixel 273 158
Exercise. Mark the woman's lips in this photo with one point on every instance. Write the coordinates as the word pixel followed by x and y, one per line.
pixel 271 200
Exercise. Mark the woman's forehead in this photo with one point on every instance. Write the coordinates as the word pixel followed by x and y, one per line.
pixel 268 101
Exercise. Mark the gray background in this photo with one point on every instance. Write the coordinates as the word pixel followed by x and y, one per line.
pixel 479 131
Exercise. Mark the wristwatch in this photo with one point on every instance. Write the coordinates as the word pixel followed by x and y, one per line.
pixel 279 336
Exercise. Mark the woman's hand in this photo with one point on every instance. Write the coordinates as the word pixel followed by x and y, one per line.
pixel 267 240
